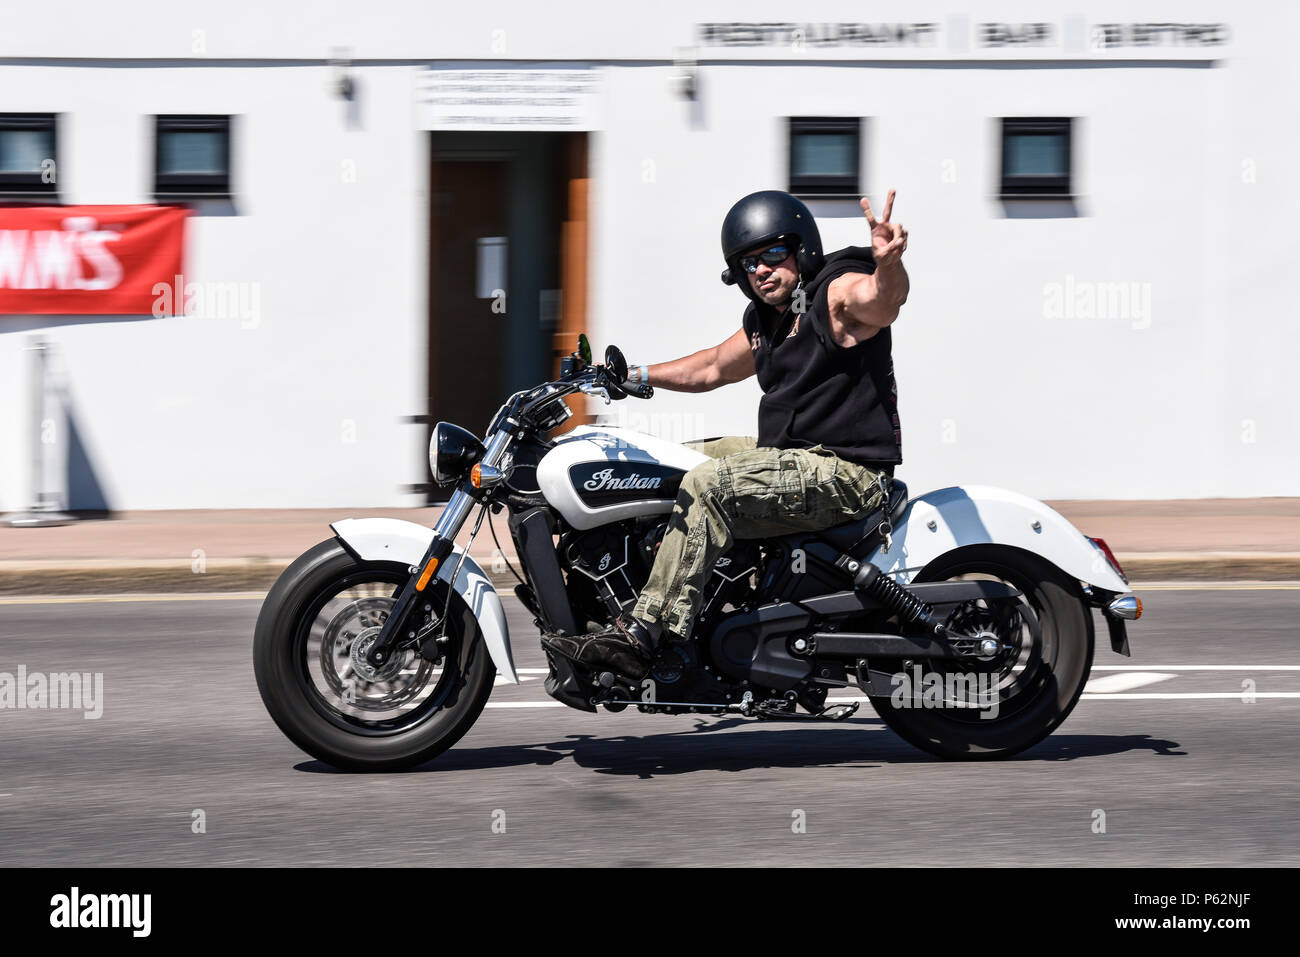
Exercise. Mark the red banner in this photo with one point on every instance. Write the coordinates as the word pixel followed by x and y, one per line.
pixel 80 260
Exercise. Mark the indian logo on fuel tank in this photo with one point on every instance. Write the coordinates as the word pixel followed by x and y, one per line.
pixel 604 483
pixel 605 479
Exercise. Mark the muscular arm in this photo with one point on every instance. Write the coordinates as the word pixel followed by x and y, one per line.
pixel 708 369
pixel 861 305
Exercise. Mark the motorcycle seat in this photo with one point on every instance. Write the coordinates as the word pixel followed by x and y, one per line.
pixel 851 537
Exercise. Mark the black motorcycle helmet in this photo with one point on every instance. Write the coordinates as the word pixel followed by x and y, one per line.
pixel 767 216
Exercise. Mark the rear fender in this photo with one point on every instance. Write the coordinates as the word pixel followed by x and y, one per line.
pixel 949 518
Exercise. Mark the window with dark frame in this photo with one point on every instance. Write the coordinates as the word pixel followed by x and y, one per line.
pixel 1036 155
pixel 825 154
pixel 192 157
pixel 28 156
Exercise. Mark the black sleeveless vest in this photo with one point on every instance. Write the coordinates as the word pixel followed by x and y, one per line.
pixel 815 392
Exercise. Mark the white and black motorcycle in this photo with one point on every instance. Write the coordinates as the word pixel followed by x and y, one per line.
pixel 964 615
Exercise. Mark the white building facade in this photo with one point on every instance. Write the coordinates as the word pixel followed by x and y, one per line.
pixel 424 198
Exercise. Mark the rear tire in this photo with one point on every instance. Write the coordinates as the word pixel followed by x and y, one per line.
pixel 322 603
pixel 1061 663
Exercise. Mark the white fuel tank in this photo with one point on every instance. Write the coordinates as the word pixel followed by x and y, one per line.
pixel 597 475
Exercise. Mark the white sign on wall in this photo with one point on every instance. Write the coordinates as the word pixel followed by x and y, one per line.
pixel 521 99
pixel 962 37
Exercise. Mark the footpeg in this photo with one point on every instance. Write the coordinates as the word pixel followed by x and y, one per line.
pixel 839 712
pixel 836 712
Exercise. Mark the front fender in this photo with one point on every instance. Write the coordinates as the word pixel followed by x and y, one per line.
pixel 948 518
pixel 394 540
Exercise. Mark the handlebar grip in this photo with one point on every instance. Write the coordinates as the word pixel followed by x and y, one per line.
pixel 642 390
pixel 616 390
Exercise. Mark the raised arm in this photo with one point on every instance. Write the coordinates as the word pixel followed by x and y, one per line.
pixel 862 304
pixel 708 369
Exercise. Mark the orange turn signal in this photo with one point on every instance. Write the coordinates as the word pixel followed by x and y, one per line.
pixel 425 575
pixel 476 476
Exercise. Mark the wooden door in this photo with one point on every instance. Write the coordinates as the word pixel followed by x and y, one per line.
pixel 466 335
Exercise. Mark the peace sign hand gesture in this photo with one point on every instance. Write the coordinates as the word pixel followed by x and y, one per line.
pixel 888 240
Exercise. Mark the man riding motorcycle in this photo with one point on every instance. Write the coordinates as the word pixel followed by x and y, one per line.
pixel 816 333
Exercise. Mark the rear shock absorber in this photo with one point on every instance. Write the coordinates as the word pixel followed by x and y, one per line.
pixel 871 581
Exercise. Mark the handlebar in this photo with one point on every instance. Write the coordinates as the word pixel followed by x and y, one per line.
pixel 590 379
pixel 621 390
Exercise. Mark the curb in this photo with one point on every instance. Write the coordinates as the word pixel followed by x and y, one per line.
pixel 116 576
pixel 154 576
pixel 1210 566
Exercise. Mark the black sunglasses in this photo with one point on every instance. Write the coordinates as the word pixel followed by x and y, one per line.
pixel 772 256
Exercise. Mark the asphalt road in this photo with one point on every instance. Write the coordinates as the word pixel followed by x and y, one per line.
pixel 1181 779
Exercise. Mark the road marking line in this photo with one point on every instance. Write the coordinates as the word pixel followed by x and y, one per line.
pixel 544 671
pixel 560 704
pixel 1151 696
pixel 96 599
pixel 1140 668
pixel 1189 695
pixel 1183 696
pixel 526 704
pixel 1197 667
pixel 1216 586
pixel 503 680
pixel 1125 681
pixel 1194 695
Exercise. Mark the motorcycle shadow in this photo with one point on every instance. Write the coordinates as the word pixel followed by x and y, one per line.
pixel 769 745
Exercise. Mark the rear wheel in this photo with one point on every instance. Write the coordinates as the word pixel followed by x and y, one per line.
pixel 309 657
pixel 1026 690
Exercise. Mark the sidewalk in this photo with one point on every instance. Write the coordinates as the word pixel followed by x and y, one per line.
pixel 245 550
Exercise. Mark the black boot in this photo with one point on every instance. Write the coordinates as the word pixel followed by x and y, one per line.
pixel 626 648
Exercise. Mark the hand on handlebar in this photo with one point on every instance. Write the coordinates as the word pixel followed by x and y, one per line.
pixel 621 390
pixel 613 387
pixel 602 380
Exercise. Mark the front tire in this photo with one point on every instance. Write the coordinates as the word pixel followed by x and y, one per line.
pixel 312 680
pixel 1041 687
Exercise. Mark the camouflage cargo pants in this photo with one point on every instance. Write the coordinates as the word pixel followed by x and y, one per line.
pixel 746 492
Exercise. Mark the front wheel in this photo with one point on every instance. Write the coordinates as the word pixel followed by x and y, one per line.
pixel 309 658
pixel 1027 690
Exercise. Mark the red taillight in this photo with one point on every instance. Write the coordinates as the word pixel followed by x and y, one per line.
pixel 1110 556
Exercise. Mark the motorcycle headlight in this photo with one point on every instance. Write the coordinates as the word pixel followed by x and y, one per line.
pixel 452 452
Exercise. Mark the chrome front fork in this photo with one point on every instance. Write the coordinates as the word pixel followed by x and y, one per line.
pixel 440 548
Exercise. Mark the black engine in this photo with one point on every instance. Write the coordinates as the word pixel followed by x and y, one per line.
pixel 607 567
pixel 604 569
